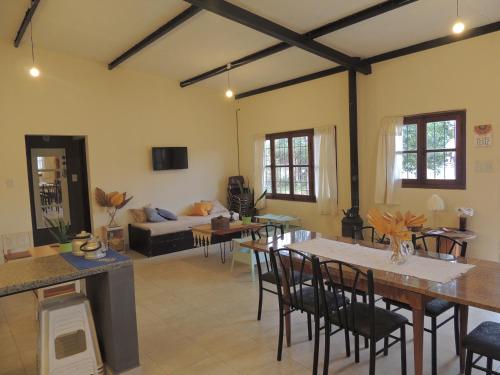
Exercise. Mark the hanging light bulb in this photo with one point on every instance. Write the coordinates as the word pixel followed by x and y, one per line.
pixel 458 26
pixel 229 92
pixel 34 71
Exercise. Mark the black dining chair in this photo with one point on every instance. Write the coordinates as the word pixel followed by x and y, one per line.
pixel 484 341
pixel 362 319
pixel 291 267
pixel 436 307
pixel 358 233
pixel 265 275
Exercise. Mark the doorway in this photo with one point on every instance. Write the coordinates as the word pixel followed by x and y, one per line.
pixel 58 184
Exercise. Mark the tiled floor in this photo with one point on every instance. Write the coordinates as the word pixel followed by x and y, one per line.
pixel 195 317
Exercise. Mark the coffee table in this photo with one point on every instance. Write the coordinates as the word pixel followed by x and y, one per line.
pixel 278 219
pixel 204 236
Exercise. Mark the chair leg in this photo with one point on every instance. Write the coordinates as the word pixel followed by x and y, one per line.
pixel 232 264
pixel 489 366
pixel 365 301
pixel 280 335
pixel 356 348
pixel 457 332
pixel 468 363
pixel 347 343
pixel 309 327
pixel 259 312
pixel 434 345
pixel 386 340
pixel 403 349
pixel 326 359
pixel 373 354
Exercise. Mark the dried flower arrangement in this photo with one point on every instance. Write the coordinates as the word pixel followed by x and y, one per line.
pixel 396 227
pixel 112 202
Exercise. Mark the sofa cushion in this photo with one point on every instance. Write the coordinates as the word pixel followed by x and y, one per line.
pixel 138 215
pixel 169 215
pixel 153 215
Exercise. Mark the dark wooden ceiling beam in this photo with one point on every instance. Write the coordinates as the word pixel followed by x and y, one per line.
pixel 339 24
pixel 263 25
pixel 471 33
pixel 155 35
pixel 25 23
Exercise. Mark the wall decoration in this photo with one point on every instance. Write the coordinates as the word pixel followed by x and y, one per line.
pixel 483 135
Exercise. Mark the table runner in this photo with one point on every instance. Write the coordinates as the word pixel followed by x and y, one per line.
pixel 81 263
pixel 440 271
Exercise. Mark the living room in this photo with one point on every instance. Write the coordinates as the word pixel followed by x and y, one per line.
pixel 122 105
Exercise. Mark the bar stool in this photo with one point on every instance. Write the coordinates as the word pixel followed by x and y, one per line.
pixel 484 340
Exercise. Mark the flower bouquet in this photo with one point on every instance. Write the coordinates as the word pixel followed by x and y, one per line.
pixel 397 228
pixel 112 202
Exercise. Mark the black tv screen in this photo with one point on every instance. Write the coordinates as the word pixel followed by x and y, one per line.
pixel 169 158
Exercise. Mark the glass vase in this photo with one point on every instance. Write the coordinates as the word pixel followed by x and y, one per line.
pixel 398 255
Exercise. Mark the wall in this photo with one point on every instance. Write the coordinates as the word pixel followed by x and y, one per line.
pixel 312 104
pixel 122 113
pixel 462 75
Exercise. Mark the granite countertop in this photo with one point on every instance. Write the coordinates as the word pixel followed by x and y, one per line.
pixel 32 273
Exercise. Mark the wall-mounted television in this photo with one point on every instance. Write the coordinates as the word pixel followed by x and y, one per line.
pixel 169 158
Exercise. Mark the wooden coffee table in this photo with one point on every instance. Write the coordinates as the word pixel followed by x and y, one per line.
pixel 204 236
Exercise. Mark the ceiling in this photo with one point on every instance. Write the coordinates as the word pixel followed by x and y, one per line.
pixel 101 30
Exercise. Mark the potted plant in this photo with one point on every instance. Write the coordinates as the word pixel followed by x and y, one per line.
pixel 59 229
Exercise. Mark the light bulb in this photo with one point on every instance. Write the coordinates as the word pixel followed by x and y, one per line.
pixel 229 93
pixel 34 72
pixel 458 27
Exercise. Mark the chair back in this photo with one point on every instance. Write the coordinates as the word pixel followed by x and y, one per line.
pixel 358 233
pixel 443 244
pixel 269 230
pixel 345 278
pixel 292 268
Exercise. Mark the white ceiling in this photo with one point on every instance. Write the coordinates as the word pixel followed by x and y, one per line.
pixel 101 30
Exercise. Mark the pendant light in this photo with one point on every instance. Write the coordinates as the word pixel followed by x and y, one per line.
pixel 229 92
pixel 458 26
pixel 34 71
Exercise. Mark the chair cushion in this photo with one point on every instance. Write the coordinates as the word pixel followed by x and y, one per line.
pixel 386 321
pixel 485 340
pixel 433 308
pixel 270 278
pixel 305 300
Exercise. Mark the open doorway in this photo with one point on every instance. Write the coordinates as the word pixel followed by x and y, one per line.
pixel 58 183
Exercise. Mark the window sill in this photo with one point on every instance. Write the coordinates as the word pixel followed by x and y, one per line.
pixel 291 198
pixel 436 185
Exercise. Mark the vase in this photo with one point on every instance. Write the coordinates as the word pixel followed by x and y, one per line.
pixel 398 255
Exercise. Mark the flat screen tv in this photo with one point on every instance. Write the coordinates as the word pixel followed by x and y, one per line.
pixel 169 158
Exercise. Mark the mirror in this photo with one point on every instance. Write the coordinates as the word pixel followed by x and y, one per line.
pixel 50 185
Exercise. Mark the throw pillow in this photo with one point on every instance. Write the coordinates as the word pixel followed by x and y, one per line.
pixel 217 208
pixel 199 209
pixel 166 214
pixel 207 206
pixel 138 215
pixel 153 215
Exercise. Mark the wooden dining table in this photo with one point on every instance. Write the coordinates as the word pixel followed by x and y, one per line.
pixel 479 287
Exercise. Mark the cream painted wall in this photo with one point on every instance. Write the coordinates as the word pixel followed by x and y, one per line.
pixel 123 114
pixel 316 103
pixel 462 75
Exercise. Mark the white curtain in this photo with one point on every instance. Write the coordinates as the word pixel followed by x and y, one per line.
pixel 259 170
pixel 325 169
pixel 389 161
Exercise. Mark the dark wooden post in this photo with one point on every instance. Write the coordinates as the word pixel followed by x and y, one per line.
pixel 353 138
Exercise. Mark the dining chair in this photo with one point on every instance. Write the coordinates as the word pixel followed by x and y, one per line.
pixel 362 319
pixel 484 341
pixel 358 233
pixel 436 307
pixel 265 275
pixel 292 268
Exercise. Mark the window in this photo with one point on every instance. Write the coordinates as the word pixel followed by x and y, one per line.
pixel 432 149
pixel 289 166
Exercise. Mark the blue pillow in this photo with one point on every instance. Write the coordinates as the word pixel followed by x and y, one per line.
pixel 166 214
pixel 153 216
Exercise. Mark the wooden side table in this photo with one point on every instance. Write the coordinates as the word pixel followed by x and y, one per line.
pixel 114 237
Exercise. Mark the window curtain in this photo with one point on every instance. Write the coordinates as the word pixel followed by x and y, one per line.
pixel 389 161
pixel 259 170
pixel 325 169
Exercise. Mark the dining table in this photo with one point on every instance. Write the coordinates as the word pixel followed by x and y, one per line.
pixel 478 287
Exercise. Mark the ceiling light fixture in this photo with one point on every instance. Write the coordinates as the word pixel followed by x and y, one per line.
pixel 34 71
pixel 229 92
pixel 458 26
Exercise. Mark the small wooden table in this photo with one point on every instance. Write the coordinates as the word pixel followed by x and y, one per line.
pixel 204 236
pixel 479 287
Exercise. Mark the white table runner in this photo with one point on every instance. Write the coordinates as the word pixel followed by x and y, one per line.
pixel 437 270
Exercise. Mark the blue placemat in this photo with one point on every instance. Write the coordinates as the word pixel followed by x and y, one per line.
pixel 82 264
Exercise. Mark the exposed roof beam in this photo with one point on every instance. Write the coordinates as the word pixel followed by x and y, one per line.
pixel 261 24
pixel 26 21
pixel 157 34
pixel 471 33
pixel 341 23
